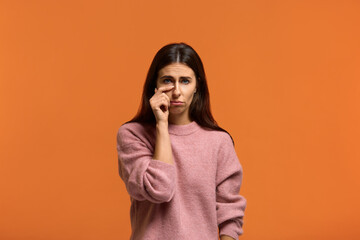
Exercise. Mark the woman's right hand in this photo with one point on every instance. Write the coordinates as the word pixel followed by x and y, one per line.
pixel 160 104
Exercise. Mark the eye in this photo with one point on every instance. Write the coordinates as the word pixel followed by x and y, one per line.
pixel 166 81
pixel 185 81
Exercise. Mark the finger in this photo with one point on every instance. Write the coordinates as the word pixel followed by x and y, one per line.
pixel 158 102
pixel 163 95
pixel 164 103
pixel 166 88
pixel 165 98
pixel 158 97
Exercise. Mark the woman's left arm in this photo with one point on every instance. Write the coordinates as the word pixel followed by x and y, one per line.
pixel 229 204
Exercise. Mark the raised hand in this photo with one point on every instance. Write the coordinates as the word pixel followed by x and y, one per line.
pixel 160 104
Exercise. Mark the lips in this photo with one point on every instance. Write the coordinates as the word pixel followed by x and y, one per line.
pixel 176 103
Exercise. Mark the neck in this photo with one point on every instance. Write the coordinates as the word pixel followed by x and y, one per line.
pixel 179 120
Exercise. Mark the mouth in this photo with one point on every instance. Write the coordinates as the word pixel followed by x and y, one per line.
pixel 176 103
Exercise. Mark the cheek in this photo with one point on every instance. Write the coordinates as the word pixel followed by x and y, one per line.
pixel 189 95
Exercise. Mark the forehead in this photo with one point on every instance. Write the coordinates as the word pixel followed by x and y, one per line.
pixel 176 69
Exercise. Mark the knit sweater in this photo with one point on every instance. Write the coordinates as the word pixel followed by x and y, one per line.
pixel 197 197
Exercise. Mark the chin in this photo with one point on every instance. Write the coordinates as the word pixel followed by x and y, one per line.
pixel 175 112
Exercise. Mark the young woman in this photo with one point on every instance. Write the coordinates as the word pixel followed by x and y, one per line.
pixel 179 167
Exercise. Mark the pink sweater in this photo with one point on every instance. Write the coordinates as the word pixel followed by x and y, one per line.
pixel 192 199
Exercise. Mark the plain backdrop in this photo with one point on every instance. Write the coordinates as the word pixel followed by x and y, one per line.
pixel 284 79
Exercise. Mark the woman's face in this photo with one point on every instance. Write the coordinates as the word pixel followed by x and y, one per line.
pixel 183 79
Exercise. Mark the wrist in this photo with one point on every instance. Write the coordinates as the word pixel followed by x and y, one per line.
pixel 162 125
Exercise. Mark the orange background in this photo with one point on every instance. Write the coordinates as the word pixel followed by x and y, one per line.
pixel 284 79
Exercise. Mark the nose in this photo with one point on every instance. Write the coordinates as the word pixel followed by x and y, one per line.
pixel 176 90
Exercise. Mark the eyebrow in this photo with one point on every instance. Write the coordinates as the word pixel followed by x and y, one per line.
pixel 168 76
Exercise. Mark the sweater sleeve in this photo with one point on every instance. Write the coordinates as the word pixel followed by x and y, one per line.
pixel 230 206
pixel 145 178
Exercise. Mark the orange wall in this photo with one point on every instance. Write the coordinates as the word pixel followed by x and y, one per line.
pixel 284 79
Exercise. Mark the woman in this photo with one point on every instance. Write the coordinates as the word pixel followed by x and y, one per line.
pixel 179 167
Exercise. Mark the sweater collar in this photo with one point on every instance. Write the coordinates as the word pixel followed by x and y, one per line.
pixel 185 129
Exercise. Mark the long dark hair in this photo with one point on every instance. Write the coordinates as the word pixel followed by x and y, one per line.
pixel 199 110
